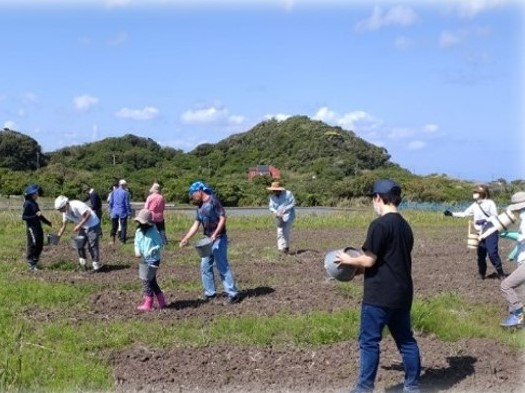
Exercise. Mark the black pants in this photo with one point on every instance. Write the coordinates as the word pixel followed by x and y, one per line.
pixel 489 246
pixel 151 287
pixel 123 228
pixel 35 244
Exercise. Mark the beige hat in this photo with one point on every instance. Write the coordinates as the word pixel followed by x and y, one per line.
pixel 122 182
pixel 155 187
pixel 144 216
pixel 518 201
pixel 276 186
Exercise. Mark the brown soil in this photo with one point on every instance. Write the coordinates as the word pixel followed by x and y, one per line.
pixel 296 284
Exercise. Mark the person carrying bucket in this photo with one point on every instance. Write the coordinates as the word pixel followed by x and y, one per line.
pixel 482 210
pixel 386 262
pixel 517 277
pixel 211 215
pixel 34 218
pixel 282 206
pixel 87 226
pixel 148 245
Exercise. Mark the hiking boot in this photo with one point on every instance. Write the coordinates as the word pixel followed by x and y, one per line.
pixel 515 318
pixel 501 273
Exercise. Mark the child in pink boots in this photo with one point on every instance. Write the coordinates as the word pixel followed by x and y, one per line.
pixel 148 245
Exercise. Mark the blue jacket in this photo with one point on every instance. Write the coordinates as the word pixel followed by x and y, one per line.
pixel 119 204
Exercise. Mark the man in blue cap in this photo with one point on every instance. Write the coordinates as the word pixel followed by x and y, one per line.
pixel 386 263
pixel 33 217
pixel 211 215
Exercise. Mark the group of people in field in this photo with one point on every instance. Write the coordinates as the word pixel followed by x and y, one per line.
pixel 385 261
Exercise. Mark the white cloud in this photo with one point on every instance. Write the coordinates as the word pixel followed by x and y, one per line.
pixel 10 124
pixel 448 39
pixel 147 113
pixel 278 116
pixel 400 133
pixel 416 145
pixel 430 128
pixel 214 114
pixel 31 98
pixel 398 15
pixel 355 120
pixel 471 8
pixel 84 102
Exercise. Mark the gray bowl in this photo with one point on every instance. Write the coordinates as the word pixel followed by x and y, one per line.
pixel 204 247
pixel 338 271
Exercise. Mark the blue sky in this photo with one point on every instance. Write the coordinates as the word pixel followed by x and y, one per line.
pixel 439 84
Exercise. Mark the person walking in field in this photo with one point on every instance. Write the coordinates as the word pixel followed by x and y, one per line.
pixel 211 215
pixel 87 225
pixel 386 263
pixel 156 204
pixel 120 211
pixel 482 210
pixel 282 206
pixel 517 278
pixel 33 218
pixel 148 245
pixel 94 201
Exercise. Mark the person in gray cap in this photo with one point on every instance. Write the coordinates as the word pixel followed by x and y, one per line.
pixel 386 263
pixel 517 277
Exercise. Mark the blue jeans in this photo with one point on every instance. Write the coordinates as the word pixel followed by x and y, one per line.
pixel 220 257
pixel 373 320
pixel 488 246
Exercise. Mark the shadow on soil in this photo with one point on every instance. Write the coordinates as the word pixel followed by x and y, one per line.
pixel 443 378
pixel 195 303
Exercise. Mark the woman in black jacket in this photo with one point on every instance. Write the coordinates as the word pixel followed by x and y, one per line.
pixel 33 217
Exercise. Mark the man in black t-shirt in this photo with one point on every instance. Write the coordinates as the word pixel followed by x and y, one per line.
pixel 386 263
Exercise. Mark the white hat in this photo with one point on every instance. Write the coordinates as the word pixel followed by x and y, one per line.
pixel 518 201
pixel 155 187
pixel 122 182
pixel 60 202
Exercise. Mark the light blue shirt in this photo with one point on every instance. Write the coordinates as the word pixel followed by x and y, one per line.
pixel 284 204
pixel 148 245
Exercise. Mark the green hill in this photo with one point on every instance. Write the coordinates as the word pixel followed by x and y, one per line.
pixel 323 165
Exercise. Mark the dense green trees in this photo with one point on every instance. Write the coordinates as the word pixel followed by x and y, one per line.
pixel 323 165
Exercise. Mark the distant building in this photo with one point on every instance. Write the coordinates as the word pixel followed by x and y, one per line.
pixel 264 170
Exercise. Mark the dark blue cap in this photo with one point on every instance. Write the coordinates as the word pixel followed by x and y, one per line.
pixel 198 186
pixel 31 189
pixel 385 186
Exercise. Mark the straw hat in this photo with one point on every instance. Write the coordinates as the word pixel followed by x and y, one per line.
pixel 144 216
pixel 518 201
pixel 276 186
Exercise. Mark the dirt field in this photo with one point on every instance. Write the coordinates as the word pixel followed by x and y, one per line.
pixel 297 284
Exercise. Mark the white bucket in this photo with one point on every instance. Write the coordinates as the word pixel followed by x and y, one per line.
pixel 78 242
pixel 204 247
pixel 147 272
pixel 339 271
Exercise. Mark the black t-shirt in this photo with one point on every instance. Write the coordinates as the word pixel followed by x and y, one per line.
pixel 389 282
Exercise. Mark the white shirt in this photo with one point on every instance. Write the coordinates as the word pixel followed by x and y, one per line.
pixel 520 255
pixel 76 210
pixel 478 210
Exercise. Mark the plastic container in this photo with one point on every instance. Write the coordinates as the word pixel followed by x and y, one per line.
pixel 78 242
pixel 147 272
pixel 339 271
pixel 204 247
pixel 52 239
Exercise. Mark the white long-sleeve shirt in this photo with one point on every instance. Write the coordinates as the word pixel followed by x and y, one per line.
pixel 477 210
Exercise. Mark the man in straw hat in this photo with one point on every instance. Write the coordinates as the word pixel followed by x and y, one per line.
pixel 508 285
pixel 388 289
pixel 282 206
pixel 482 209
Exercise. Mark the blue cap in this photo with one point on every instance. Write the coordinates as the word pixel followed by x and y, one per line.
pixel 31 189
pixel 385 186
pixel 198 186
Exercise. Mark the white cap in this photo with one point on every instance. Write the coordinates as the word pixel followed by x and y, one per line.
pixel 60 202
pixel 122 182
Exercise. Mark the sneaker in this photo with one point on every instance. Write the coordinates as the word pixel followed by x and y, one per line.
pixel 234 299
pixel 207 298
pixel 512 320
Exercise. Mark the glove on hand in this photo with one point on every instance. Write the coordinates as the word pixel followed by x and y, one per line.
pixel 447 213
